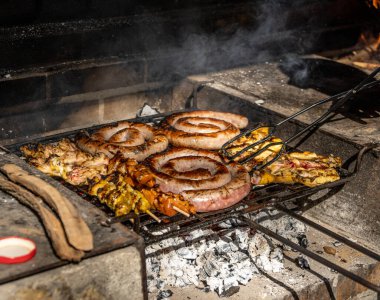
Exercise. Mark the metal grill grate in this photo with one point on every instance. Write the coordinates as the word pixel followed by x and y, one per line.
pixel 274 196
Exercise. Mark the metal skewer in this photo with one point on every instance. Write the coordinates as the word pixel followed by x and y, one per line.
pixel 340 98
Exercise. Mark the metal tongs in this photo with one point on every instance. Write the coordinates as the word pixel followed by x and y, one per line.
pixel 340 98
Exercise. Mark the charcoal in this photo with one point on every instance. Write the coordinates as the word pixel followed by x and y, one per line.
pixel 164 294
pixel 302 262
pixel 303 241
pixel 224 247
pixel 231 291
pixel 260 252
pixel 258 246
pixel 245 274
pixel 197 233
pixel 230 223
pixel 221 264
pixel 152 285
pixel 236 257
pixel 211 266
pixel 214 283
pixel 160 284
pixel 242 237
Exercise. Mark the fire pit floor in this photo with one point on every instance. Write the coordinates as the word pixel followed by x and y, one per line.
pixel 294 282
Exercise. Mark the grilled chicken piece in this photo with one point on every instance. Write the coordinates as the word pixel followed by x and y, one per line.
pixel 253 137
pixel 164 202
pixel 139 173
pixel 64 159
pixel 117 192
pixel 119 195
pixel 306 168
pixel 120 190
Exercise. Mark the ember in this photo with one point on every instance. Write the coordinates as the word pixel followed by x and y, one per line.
pixel 218 265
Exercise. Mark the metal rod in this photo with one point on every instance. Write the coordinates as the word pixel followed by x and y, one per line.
pixel 330 233
pixel 340 98
pixel 310 254
pixel 188 229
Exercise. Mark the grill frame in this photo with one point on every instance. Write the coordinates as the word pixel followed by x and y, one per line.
pixel 271 196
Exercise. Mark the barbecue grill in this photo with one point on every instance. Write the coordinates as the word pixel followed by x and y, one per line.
pixel 73 86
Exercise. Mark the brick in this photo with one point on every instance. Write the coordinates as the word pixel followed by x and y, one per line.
pixel 85 113
pixel 96 78
pixel 21 91
pixel 55 117
pixel 36 52
pixel 126 106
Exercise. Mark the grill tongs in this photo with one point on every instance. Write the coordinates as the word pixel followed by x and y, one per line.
pixel 340 99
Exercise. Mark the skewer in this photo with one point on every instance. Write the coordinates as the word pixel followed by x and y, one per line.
pixel 153 216
pixel 181 211
pixel 366 65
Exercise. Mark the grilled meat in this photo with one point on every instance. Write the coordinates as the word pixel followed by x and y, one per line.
pixel 128 185
pixel 200 177
pixel 64 159
pixel 118 195
pixel 253 137
pixel 306 168
pixel 202 129
pixel 118 192
pixel 132 140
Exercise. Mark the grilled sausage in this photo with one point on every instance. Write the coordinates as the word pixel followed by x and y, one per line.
pixel 201 177
pixel 132 140
pixel 202 129
pixel 224 196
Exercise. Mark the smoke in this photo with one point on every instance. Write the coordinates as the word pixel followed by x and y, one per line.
pixel 269 36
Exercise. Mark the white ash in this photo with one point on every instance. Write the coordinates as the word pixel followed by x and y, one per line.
pixel 219 265
pixel 283 225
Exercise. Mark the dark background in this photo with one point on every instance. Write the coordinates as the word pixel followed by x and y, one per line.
pixel 35 33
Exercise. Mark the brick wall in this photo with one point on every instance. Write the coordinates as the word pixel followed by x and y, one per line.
pixel 82 96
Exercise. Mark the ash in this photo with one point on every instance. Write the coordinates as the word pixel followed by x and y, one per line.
pixel 220 262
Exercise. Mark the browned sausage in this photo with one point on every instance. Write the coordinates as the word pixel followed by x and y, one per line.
pixel 201 177
pixel 132 140
pixel 202 129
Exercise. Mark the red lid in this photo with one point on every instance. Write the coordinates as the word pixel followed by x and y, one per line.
pixel 14 249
